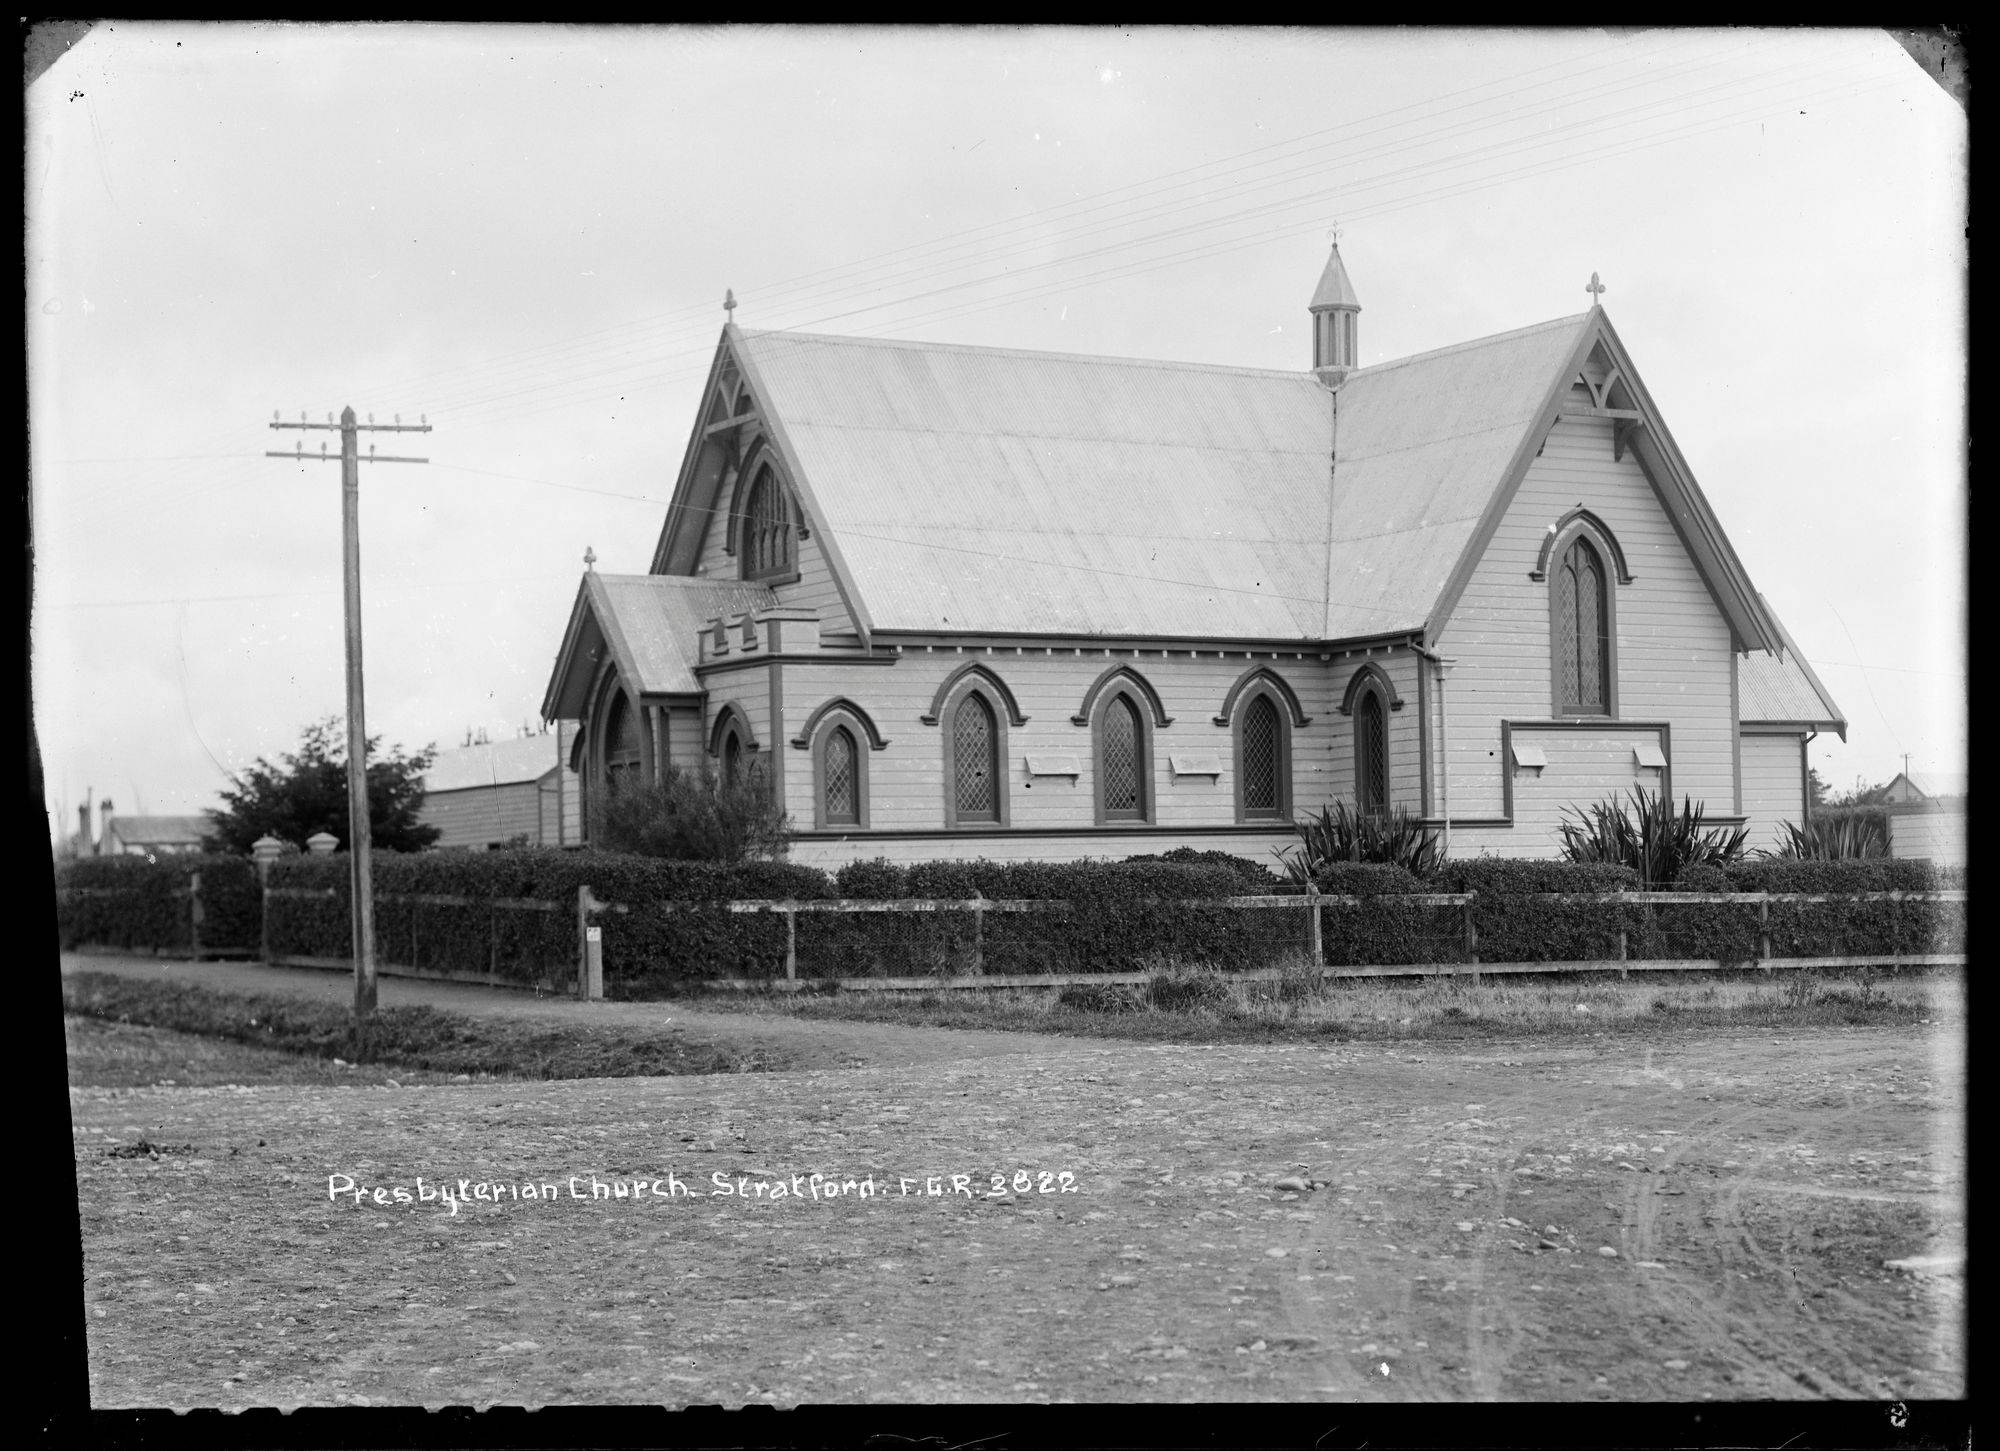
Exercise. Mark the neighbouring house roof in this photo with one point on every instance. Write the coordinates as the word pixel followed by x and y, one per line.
pixel 1774 688
pixel 988 490
pixel 160 830
pixel 1932 785
pixel 495 763
pixel 648 624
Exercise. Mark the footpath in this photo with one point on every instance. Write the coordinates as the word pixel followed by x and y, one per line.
pixel 802 1043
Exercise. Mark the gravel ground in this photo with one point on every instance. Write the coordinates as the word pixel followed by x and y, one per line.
pixel 1669 1218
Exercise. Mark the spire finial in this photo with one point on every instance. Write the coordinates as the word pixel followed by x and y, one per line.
pixel 589 558
pixel 1595 288
pixel 729 304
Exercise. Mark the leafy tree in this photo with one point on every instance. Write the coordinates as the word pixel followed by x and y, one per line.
pixel 691 817
pixel 306 793
pixel 1862 794
pixel 1816 788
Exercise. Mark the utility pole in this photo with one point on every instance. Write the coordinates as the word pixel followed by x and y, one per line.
pixel 362 884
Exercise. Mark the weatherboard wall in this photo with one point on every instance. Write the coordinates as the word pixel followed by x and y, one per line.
pixel 1672 649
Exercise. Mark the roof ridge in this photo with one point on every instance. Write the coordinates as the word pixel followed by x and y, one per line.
pixel 1112 359
pixel 1519 332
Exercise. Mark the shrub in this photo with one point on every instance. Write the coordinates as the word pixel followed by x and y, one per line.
pixel 1340 834
pixel 690 817
pixel 1649 837
pixel 1702 877
pixel 1368 879
pixel 1257 878
pixel 139 902
pixel 1858 834
pixel 878 880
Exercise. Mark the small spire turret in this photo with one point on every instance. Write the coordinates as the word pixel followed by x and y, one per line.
pixel 1335 311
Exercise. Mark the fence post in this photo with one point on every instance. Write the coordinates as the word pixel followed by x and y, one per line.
pixel 264 850
pixel 978 933
pixel 791 943
pixel 492 937
pixel 1313 926
pixel 1764 931
pixel 1624 944
pixel 194 916
pixel 584 903
pixel 1471 938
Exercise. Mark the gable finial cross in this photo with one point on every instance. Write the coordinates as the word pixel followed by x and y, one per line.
pixel 729 303
pixel 1595 288
pixel 589 557
pixel 1333 234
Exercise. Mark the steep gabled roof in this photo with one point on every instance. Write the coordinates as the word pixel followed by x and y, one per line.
pixel 648 624
pixel 989 491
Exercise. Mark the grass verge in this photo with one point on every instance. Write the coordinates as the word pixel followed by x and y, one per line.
pixel 412 1037
pixel 1184 1004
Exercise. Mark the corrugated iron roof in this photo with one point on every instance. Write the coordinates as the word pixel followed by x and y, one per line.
pixel 494 763
pixel 1774 688
pixel 160 830
pixel 655 618
pixel 983 489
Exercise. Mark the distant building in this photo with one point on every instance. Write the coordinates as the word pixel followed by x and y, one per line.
pixel 151 835
pixel 1925 786
pixel 1927 817
pixel 489 795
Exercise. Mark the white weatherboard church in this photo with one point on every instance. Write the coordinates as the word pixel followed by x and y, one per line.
pixel 964 601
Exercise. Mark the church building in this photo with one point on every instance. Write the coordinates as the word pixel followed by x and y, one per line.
pixel 954 601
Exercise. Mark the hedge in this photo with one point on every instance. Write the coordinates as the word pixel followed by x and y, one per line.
pixel 1113 914
pixel 675 928
pixel 136 902
pixel 655 945
pixel 1513 926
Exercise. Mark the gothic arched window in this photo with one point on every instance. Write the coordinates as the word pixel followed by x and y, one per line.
pixel 975 788
pixel 1580 627
pixel 839 778
pixel 1371 752
pixel 766 542
pixel 624 748
pixel 1263 759
pixel 1124 764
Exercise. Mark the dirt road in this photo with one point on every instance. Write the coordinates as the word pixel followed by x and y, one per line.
pixel 1749 1189
pixel 795 1043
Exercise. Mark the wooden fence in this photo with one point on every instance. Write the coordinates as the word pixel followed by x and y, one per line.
pixel 589 981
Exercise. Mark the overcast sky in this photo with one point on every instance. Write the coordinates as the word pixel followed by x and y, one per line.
pixel 525 233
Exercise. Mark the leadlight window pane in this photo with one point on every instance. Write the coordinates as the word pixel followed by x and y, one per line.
pixel 842 799
pixel 1121 760
pixel 975 762
pixel 1566 680
pixel 1589 629
pixel 732 758
pixel 767 537
pixel 1371 754
pixel 1260 756
pixel 1582 643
